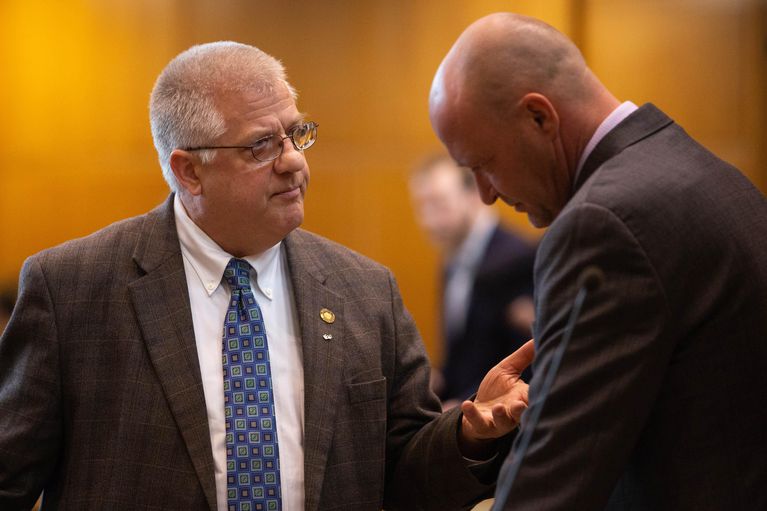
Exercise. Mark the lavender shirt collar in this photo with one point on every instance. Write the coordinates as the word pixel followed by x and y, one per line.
pixel 611 121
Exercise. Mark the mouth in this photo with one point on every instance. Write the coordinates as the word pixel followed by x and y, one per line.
pixel 289 193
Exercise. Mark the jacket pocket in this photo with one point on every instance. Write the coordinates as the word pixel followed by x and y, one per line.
pixel 367 391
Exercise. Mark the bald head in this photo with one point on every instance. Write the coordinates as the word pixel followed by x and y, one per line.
pixel 515 101
pixel 504 56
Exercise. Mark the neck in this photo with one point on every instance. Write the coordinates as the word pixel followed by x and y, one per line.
pixel 226 236
pixel 580 123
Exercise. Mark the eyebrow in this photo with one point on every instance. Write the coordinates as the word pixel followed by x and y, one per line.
pixel 300 117
pixel 260 133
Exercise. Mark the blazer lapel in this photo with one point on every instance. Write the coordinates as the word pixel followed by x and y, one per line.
pixel 161 301
pixel 641 124
pixel 322 345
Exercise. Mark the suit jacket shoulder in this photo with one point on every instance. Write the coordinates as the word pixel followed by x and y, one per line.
pixel 121 245
pixel 103 347
pixel 331 258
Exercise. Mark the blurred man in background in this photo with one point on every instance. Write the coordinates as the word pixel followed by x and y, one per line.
pixel 486 308
pixel 659 400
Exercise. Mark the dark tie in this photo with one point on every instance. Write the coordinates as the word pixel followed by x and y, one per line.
pixel 252 458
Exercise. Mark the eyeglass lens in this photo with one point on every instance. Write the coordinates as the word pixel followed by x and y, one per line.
pixel 303 137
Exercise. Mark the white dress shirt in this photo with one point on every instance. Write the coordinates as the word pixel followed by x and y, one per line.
pixel 204 264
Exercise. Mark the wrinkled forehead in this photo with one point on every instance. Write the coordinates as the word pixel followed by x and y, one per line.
pixel 254 91
pixel 258 108
pixel 455 116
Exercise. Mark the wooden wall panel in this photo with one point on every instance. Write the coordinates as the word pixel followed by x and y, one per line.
pixel 703 62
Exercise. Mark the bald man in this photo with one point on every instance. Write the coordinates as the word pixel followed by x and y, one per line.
pixel 659 400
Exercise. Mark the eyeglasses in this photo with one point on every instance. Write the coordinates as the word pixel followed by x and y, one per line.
pixel 269 148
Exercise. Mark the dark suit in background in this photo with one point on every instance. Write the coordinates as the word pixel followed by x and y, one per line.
pixel 504 273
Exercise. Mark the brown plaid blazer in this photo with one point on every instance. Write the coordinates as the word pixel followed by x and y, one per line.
pixel 101 400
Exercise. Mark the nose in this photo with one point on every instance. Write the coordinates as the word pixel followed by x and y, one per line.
pixel 486 190
pixel 291 159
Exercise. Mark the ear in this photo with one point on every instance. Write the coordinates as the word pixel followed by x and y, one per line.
pixel 185 166
pixel 540 111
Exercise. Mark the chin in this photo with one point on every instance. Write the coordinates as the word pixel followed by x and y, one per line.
pixel 293 221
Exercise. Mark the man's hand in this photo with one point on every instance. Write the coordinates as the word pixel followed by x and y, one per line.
pixel 500 401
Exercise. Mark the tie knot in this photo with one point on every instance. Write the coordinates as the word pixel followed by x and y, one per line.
pixel 237 274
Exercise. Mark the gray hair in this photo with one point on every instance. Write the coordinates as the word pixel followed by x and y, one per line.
pixel 182 108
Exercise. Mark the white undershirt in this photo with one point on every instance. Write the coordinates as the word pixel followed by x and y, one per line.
pixel 204 264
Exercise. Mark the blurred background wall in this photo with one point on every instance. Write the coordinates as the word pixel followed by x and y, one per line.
pixel 76 152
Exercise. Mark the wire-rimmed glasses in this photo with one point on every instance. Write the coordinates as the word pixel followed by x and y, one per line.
pixel 269 148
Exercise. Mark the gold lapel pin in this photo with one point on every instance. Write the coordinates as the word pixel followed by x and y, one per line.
pixel 327 316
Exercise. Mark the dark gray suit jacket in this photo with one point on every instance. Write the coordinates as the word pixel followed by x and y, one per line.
pixel 660 400
pixel 101 400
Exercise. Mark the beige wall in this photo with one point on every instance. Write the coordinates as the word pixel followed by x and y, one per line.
pixel 76 153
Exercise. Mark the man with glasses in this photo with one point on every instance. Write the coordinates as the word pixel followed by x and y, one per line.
pixel 211 355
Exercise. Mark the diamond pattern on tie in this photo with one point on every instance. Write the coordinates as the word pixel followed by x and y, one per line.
pixel 252 457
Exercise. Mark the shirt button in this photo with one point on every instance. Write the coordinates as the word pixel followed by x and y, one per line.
pixel 210 286
pixel 268 292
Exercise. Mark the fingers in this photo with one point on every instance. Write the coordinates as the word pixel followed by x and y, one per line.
pixel 482 424
pixel 507 418
pixel 500 420
pixel 520 359
pixel 473 415
pixel 516 409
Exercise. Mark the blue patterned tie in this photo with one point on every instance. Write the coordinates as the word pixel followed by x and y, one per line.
pixel 252 458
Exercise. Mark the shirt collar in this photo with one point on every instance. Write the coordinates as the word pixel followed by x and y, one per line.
pixel 611 121
pixel 209 260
